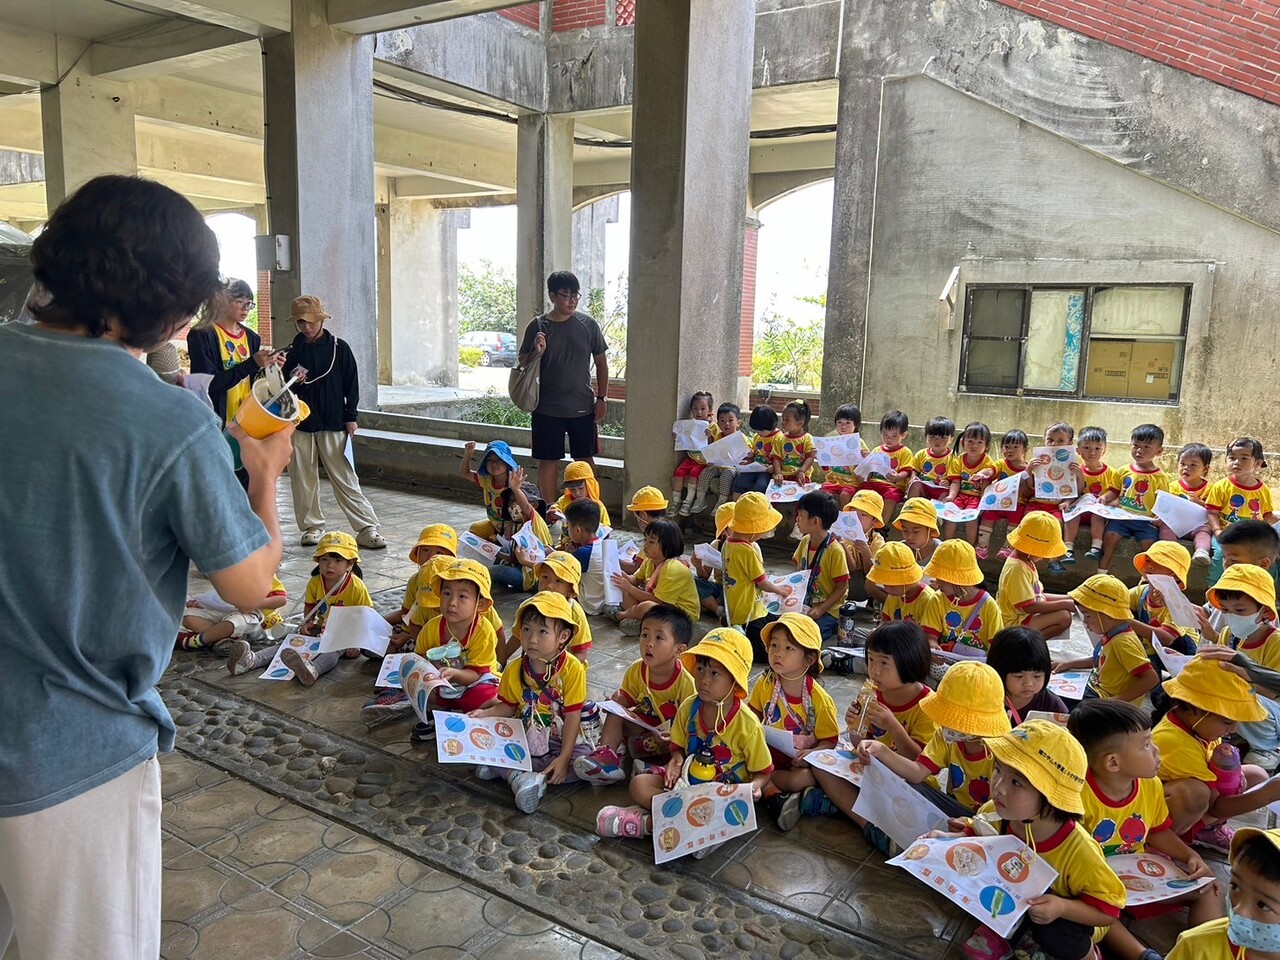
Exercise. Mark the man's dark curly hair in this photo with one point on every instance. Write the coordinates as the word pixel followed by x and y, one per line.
pixel 129 250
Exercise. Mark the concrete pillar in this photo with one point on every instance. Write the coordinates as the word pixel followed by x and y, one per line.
pixel 589 241
pixel 88 130
pixel 318 104
pixel 544 208
pixel 383 240
pixel 691 127
pixel 422 266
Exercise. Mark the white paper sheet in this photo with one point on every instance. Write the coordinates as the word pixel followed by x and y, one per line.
pixel 1178 513
pixel 700 817
pixel 1181 610
pixel 840 761
pixel 877 463
pixel 419 678
pixel 483 741
pixel 350 453
pixel 1149 878
pixel 361 628
pixel 1069 685
pixel 727 451
pixel 209 600
pixel 1056 480
pixel 389 674
pixel 895 806
pixel 789 491
pixel 951 513
pixel 690 434
pixel 990 878
pixel 1091 504
pixel 849 527
pixel 528 541
pixel 618 710
pixel 307 646
pixel 1002 496
pixel 708 556
pixel 838 451
pixel 794 603
pixel 784 741
pixel 628 551
pixel 474 548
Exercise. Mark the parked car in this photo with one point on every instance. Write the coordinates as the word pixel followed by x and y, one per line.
pixel 499 349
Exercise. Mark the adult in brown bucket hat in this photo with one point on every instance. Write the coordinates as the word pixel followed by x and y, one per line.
pixel 330 387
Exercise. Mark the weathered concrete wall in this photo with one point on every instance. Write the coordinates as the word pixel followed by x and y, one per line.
pixel 960 179
pixel 19 167
pixel 424 291
pixel 589 241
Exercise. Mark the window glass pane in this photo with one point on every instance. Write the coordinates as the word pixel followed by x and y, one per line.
pixel 1054 328
pixel 996 313
pixel 1134 369
pixel 1153 311
pixel 992 363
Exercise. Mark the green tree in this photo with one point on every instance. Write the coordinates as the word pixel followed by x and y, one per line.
pixel 789 351
pixel 612 318
pixel 486 298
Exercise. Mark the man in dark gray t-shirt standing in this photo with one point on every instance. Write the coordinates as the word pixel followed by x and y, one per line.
pixel 565 342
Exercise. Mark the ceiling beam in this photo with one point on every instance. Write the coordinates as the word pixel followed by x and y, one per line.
pixel 374 16
pixel 185 103
pixel 428 187
pixel 190 46
pixel 194 186
pixel 258 17
pixel 30 57
pixel 443 158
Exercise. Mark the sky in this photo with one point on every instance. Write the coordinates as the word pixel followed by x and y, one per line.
pixel 794 245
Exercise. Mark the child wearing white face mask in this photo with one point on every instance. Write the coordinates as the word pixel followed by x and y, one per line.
pixel 1120 666
pixel 1252 926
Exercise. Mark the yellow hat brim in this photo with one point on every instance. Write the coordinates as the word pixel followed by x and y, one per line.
pixel 1018 755
pixel 1235 705
pixel 741 673
pixel 804 632
pixel 561 569
pixel 964 718
pixel 1035 548
pixel 753 525
pixel 1247 833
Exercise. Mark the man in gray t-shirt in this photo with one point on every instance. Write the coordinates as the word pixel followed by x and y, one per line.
pixel 567 343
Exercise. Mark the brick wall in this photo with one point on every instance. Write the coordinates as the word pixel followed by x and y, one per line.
pixel 1232 42
pixel 529 15
pixel 577 14
pixel 747 323
pixel 264 307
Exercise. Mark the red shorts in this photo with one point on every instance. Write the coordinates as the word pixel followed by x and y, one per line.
pixel 690 468
pixel 934 492
pixel 990 518
pixel 837 489
pixel 967 501
pixel 1053 509
pixel 473 698
pixel 890 492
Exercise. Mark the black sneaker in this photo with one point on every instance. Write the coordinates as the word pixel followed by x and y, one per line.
pixel 423 730
pixel 838 661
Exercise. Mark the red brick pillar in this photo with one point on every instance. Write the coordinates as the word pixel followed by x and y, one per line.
pixel 264 307
pixel 747 322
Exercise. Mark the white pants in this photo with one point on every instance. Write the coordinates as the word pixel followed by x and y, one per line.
pixel 81 880
pixel 329 448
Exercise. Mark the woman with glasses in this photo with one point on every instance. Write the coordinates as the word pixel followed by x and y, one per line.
pixel 221 345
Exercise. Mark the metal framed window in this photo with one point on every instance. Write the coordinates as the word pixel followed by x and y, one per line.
pixel 1113 342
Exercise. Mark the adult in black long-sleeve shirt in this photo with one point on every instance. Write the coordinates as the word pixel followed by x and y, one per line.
pixel 331 390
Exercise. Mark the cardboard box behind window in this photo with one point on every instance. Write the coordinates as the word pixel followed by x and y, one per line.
pixel 1109 366
pixel 1150 375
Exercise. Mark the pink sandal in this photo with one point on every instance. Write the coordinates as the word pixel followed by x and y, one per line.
pixel 621 822
pixel 986 944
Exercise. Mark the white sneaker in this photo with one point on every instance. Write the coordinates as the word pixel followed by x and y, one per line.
pixel 240 658
pixel 311 536
pixel 528 789
pixel 301 667
pixel 486 773
pixel 1201 558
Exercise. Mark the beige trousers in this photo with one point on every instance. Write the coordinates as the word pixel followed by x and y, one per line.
pixel 81 880
pixel 310 450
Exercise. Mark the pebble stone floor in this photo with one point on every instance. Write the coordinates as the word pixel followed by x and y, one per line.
pixel 293 828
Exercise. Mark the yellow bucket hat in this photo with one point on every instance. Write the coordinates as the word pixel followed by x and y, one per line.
pixel 724 517
pixel 1172 556
pixel 563 565
pixel 969 700
pixel 804 632
pixel 579 471
pixel 955 562
pixel 920 511
pixel 870 503
pixel 647 499
pixel 894 565
pixel 752 514
pixel 553 606
pixel 1248 579
pixel 1049 758
pixel 1105 595
pixel 1038 535
pixel 727 647
pixel 437 535
pixel 464 569
pixel 1207 685
pixel 427 598
pixel 1248 833
pixel 343 544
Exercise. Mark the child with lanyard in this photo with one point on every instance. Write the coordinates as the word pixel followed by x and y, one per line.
pixel 460 643
pixel 714 738
pixel 839 480
pixel 662 578
pixel 965 617
pixel 653 688
pixel 788 699
pixel 709 580
pixel 1039 776
pixel 867 507
pixel 1119 666
pixel 546 688
pixel 558 573
pixel 970 471
pixel 744 573
pixel 335 582
pixel 497 476
pixel 1021 657
pixel 1022 599
pixel 823 556
pixel 1151 618
pixel 684 482
pixel 1013 461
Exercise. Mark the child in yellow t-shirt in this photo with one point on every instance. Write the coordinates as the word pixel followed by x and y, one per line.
pixel 514 568
pixel 744 576
pixel 546 688
pixel 1119 666
pixel 1095 478
pixel 1125 809
pixel 728 421
pixel 965 618
pixel 918 524
pixel 579 483
pixel 823 556
pixel 896 572
pixel 208 621
pixel 788 699
pixel 498 477
pixel 662 578
pixel 1193 484
pixel 710 580
pixel 715 738
pixel 1039 776
pixel 1251 928
pixel 647 505
pixel 684 482
pixel 1134 490
pixel 652 689
pixel 794 452
pixel 764 425
pixel 559 573
pixel 1013 461
pixel 969 473
pixel 868 507
pixel 839 480
pixel 932 465
pixel 1023 602
pixel 435 540
pixel 892 484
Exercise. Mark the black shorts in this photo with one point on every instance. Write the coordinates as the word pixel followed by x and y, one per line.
pixel 549 433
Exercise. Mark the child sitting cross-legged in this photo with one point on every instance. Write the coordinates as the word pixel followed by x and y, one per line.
pixel 1120 666
pixel 547 689
pixel 788 697
pixel 205 626
pixel 1125 811
pixel 514 570
pixel 715 738
pixel 823 556
pixel 1021 656
pixel 653 689
pixel 1151 618
pixel 558 573
pixel 1023 602
pixel 662 578
pixel 1039 777
pixel 496 478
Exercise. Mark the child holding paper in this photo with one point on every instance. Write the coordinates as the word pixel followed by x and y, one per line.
pixel 684 481
pixel 1097 479
pixel 793 452
pixel 823 555
pixel 965 617
pixel 709 581
pixel 1193 485
pixel 1120 666
pixel 728 421
pixel 1021 656
pixel 1125 811
pixel 931 465
pixel 868 507
pixel 558 573
pixel 1022 600
pixel 968 474
pixel 1152 620
pixel 744 574
pixel 653 688
pixel 579 484
pixel 788 699
pixel 1241 495
pixel 839 480
pixel 1134 490
pixel 918 524
pixel 893 431
pixel 547 689
pixel 1039 776
pixel 764 423
pixel 335 582
pixel 714 738
pixel 1013 461
pixel 1059 434
pixel 494 477
pixel 662 578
